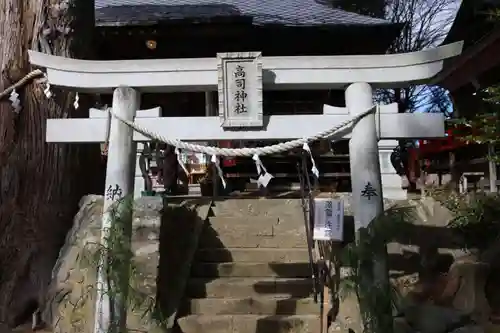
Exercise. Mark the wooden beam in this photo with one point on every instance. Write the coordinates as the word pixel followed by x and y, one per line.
pixel 474 61
pixel 474 67
pixel 392 126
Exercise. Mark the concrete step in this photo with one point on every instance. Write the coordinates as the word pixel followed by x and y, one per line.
pixel 256 228
pixel 252 305
pixel 252 255
pixel 248 287
pixel 249 324
pixel 290 239
pixel 258 207
pixel 257 224
pixel 247 269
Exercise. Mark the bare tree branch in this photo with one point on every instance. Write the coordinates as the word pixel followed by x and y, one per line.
pixel 426 24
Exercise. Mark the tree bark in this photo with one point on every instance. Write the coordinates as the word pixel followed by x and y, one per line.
pixel 40 183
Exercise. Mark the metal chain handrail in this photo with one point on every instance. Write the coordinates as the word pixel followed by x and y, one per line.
pixel 229 152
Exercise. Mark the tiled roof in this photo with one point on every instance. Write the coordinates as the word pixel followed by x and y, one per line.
pixel 284 12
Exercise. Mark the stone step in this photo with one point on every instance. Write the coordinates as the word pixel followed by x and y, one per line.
pixel 257 224
pixel 290 239
pixel 248 287
pixel 252 255
pixel 252 305
pixel 247 269
pixel 258 207
pixel 263 227
pixel 249 324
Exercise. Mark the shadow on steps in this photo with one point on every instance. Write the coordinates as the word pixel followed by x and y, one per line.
pixel 181 226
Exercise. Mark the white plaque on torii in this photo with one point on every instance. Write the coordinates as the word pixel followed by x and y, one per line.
pixel 240 89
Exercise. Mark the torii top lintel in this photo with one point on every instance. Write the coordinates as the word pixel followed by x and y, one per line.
pixel 279 73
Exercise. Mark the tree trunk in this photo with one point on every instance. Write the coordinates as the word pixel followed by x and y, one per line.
pixel 40 183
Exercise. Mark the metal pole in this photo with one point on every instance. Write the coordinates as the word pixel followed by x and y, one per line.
pixel 492 169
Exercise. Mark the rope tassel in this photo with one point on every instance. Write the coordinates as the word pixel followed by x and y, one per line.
pixel 47 90
pixel 216 163
pixel 264 176
pixel 314 169
pixel 15 101
pixel 76 103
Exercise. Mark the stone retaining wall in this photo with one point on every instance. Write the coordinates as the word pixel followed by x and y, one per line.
pixel 70 301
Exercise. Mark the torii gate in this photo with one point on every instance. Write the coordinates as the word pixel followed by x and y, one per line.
pixel 316 72
pixel 361 73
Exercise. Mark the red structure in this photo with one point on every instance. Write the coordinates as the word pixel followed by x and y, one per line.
pixel 454 139
pixel 227 161
pixel 427 150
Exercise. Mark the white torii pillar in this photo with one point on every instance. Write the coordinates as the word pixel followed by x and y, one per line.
pixel 366 180
pixel 367 199
pixel 119 186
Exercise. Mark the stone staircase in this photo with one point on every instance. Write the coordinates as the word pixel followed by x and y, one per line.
pixel 251 271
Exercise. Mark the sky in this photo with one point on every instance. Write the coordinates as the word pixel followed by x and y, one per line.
pixel 451 10
pixel 445 16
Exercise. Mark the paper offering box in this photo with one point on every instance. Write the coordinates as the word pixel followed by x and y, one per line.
pixel 328 219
